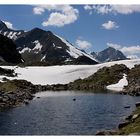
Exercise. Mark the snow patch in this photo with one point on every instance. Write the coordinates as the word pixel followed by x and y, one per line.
pixel 5 33
pixel 14 35
pixel 38 46
pixel 24 50
pixel 43 58
pixel 120 85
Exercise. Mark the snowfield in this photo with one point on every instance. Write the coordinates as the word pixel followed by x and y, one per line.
pixel 62 74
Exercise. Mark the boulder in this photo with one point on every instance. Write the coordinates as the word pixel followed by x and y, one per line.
pixel 26 102
pixel 137 104
pixel 135 116
pixel 129 117
pixel 108 132
pixel 121 125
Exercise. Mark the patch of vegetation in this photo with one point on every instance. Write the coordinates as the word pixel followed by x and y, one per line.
pixel 102 78
pixel 134 72
pixel 15 85
pixel 133 127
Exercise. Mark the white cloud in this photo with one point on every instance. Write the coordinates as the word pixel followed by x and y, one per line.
pixel 115 9
pixel 88 7
pixel 132 56
pixel 60 14
pixel 129 51
pixel 38 10
pixel 9 24
pixel 115 46
pixel 110 25
pixel 126 9
pixel 83 44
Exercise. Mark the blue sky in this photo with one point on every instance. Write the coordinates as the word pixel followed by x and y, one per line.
pixel 89 27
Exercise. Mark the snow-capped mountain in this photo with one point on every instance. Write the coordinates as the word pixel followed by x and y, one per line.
pixel 42 46
pixel 12 34
pixel 39 46
pixel 109 54
pixel 8 52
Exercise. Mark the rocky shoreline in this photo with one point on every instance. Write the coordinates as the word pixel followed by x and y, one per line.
pixel 16 92
pixel 131 125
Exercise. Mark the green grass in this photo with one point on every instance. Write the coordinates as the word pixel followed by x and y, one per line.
pixel 13 85
pixel 103 77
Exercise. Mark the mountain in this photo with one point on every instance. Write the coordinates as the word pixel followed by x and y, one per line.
pixel 39 46
pixel 109 54
pixel 93 54
pixel 8 52
pixel 12 34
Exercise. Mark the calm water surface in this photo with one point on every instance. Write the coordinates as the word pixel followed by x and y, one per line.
pixel 55 113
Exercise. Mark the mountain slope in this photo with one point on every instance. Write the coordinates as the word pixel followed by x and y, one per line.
pixel 109 54
pixel 8 52
pixel 43 46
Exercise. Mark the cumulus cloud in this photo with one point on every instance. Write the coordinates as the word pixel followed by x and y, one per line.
pixel 132 56
pixel 9 24
pixel 88 7
pixel 83 44
pixel 60 15
pixel 115 9
pixel 129 51
pixel 110 25
pixel 38 10
pixel 126 9
pixel 115 46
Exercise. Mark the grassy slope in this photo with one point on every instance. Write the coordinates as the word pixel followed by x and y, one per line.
pixel 99 80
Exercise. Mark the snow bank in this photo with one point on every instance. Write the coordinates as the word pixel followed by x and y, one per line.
pixel 120 85
pixel 62 74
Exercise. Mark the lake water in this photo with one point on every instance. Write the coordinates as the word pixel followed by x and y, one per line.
pixel 55 113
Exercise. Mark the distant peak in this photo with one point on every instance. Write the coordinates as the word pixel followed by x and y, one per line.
pixel 37 29
pixel 1 22
pixel 41 30
pixel 111 48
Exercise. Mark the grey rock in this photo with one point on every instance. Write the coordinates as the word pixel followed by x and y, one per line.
pixel 137 104
pixel 121 125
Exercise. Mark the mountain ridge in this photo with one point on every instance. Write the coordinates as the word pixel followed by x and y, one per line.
pixel 40 46
pixel 109 54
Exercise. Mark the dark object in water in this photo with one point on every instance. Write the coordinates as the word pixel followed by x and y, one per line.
pixel 127 106
pixel 26 102
pixel 74 99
